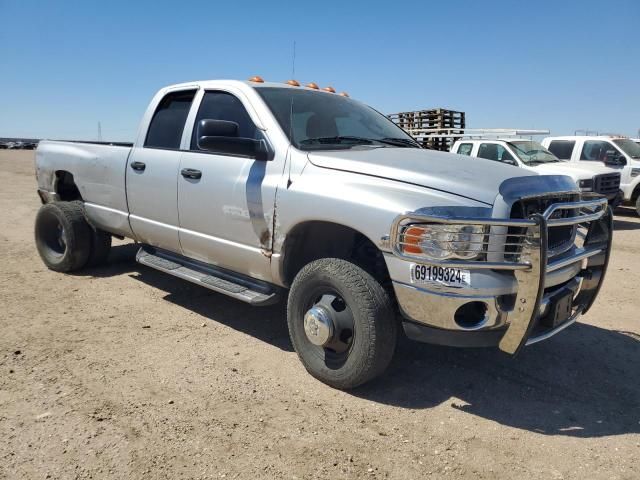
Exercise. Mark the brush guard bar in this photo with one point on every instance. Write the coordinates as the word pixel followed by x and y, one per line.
pixel 533 262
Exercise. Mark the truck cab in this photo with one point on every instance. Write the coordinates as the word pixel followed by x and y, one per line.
pixel 534 157
pixel 617 153
pixel 264 191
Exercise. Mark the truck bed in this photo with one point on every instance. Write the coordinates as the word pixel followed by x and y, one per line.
pixel 99 171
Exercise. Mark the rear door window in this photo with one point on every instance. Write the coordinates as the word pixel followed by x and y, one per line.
pixel 465 149
pixel 562 148
pixel 167 124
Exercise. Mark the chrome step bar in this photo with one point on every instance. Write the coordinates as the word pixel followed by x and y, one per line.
pixel 241 288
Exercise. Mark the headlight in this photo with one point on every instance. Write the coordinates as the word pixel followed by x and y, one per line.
pixel 586 184
pixel 635 172
pixel 440 241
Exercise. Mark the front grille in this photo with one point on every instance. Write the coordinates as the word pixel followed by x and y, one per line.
pixel 606 183
pixel 560 238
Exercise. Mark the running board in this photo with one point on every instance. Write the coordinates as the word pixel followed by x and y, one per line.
pixel 242 288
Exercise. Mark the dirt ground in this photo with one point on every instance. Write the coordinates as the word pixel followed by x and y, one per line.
pixel 123 372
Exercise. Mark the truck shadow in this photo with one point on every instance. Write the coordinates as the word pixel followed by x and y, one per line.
pixel 625 224
pixel 626 219
pixel 582 383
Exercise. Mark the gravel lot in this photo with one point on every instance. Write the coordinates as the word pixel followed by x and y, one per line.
pixel 123 372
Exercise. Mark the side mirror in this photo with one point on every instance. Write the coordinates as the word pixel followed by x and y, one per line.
pixel 221 136
pixel 615 158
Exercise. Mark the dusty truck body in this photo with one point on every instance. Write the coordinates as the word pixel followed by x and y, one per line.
pixel 261 191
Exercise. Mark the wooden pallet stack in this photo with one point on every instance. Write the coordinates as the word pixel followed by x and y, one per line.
pixel 425 125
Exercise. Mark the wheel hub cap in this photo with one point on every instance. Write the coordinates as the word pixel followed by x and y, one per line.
pixel 318 325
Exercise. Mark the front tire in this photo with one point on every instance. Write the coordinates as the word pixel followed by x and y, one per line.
pixel 63 236
pixel 638 205
pixel 357 340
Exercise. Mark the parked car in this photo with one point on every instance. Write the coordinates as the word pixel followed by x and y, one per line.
pixel 264 190
pixel 532 156
pixel 620 153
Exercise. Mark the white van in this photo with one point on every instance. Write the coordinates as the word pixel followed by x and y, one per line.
pixel 532 156
pixel 619 153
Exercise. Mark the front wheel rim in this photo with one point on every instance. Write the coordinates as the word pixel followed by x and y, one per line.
pixel 328 305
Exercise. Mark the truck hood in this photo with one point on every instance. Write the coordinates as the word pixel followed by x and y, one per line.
pixel 473 178
pixel 596 168
pixel 564 168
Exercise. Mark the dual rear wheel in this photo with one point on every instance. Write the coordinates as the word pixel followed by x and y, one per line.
pixel 65 240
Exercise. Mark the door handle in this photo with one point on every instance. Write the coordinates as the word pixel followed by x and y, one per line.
pixel 138 166
pixel 191 173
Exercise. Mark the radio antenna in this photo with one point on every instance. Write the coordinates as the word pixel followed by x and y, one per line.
pixel 293 75
pixel 293 61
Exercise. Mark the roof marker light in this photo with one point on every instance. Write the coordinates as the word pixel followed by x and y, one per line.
pixel 344 94
pixel 312 85
pixel 256 79
pixel 329 89
pixel 293 83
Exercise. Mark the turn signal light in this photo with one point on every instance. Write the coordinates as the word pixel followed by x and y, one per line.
pixel 256 79
pixel 312 85
pixel 293 83
pixel 329 89
pixel 411 238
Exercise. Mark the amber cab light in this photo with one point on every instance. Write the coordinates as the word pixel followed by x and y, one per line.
pixel 344 94
pixel 256 79
pixel 312 85
pixel 329 89
pixel 293 83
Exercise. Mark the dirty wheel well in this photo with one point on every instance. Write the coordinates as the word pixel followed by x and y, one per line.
pixel 66 187
pixel 314 240
pixel 636 193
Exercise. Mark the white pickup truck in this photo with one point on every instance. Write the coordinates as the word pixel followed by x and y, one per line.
pixel 265 190
pixel 622 154
pixel 534 157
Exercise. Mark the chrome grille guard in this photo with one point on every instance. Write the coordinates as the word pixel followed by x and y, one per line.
pixel 533 264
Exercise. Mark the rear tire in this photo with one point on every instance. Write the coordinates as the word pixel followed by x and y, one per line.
pixel 351 360
pixel 63 236
pixel 100 247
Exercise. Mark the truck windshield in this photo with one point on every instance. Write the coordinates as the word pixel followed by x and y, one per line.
pixel 532 153
pixel 324 121
pixel 629 147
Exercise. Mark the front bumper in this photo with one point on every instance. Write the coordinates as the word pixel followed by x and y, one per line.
pixel 519 299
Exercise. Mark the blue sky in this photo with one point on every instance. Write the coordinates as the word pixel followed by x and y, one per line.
pixel 561 65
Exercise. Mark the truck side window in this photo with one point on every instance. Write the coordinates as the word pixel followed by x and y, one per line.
pixel 493 151
pixel 224 106
pixel 465 148
pixel 167 124
pixel 562 148
pixel 596 150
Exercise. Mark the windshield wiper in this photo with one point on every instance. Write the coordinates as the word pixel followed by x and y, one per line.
pixel 337 140
pixel 539 162
pixel 348 139
pixel 399 142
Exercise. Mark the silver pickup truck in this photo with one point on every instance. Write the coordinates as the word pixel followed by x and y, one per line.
pixel 266 190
